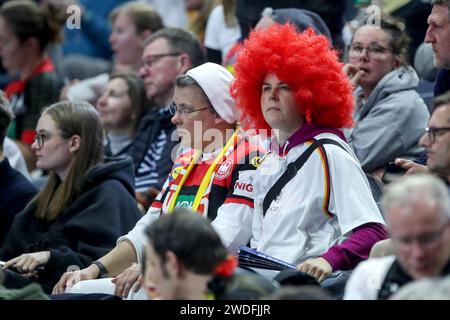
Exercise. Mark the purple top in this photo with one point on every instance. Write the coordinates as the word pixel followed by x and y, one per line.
pixel 356 248
pixel 305 133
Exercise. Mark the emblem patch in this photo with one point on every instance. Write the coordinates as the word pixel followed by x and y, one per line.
pixel 224 170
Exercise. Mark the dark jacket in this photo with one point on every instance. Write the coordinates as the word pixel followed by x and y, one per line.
pixel 104 210
pixel 159 161
pixel 15 193
pixel 442 84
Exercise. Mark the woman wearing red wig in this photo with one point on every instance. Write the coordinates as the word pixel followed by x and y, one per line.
pixel 318 213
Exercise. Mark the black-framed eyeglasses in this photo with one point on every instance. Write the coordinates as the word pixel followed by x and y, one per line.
pixel 150 59
pixel 374 50
pixel 433 131
pixel 40 137
pixel 173 109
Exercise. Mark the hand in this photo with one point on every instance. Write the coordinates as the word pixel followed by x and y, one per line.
pixel 69 279
pixel 145 199
pixel 319 268
pixel 353 73
pixel 129 278
pixel 411 166
pixel 377 174
pixel 27 262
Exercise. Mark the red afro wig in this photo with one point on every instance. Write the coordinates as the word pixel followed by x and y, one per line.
pixel 306 63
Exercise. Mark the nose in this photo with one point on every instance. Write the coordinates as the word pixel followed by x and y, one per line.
pixel 274 93
pixel 111 39
pixel 34 145
pixel 101 102
pixel 176 119
pixel 429 36
pixel 418 253
pixel 143 72
pixel 364 55
pixel 425 140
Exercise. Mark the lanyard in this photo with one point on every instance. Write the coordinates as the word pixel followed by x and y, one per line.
pixel 206 179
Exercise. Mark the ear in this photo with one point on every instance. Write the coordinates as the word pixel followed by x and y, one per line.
pixel 397 62
pixel 218 119
pixel 144 35
pixel 75 143
pixel 173 265
pixel 185 63
pixel 32 43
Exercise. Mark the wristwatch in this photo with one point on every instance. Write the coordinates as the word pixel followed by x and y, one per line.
pixel 103 272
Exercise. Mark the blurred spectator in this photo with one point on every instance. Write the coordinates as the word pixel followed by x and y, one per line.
pixel 222 31
pixel 438 34
pixel 183 254
pixel 198 12
pixel 86 51
pixel 417 211
pixel 25 31
pixel 132 24
pixel 120 109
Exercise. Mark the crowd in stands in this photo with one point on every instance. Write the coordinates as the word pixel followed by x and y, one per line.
pixel 142 146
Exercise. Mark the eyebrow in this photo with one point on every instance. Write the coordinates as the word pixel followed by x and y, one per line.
pixel 184 105
pixel 268 84
pixel 371 43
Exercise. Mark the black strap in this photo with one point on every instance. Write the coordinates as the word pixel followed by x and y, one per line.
pixel 292 169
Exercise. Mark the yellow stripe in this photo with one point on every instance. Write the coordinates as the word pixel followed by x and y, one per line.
pixel 326 191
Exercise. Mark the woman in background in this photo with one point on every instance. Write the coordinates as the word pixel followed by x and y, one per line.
pixel 26 29
pixel 120 109
pixel 390 116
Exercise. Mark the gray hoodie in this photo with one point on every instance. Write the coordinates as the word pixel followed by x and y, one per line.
pixel 390 122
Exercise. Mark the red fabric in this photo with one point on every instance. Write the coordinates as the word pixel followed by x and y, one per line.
pixel 226 267
pixel 28 136
pixel 18 86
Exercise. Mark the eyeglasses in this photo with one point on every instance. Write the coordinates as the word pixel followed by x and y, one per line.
pixel 374 50
pixel 432 132
pixel 173 109
pixel 425 241
pixel 151 59
pixel 40 137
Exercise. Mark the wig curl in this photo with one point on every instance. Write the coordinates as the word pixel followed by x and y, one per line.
pixel 306 63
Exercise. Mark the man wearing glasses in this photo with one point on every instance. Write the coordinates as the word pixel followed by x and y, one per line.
pixel 417 211
pixel 436 140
